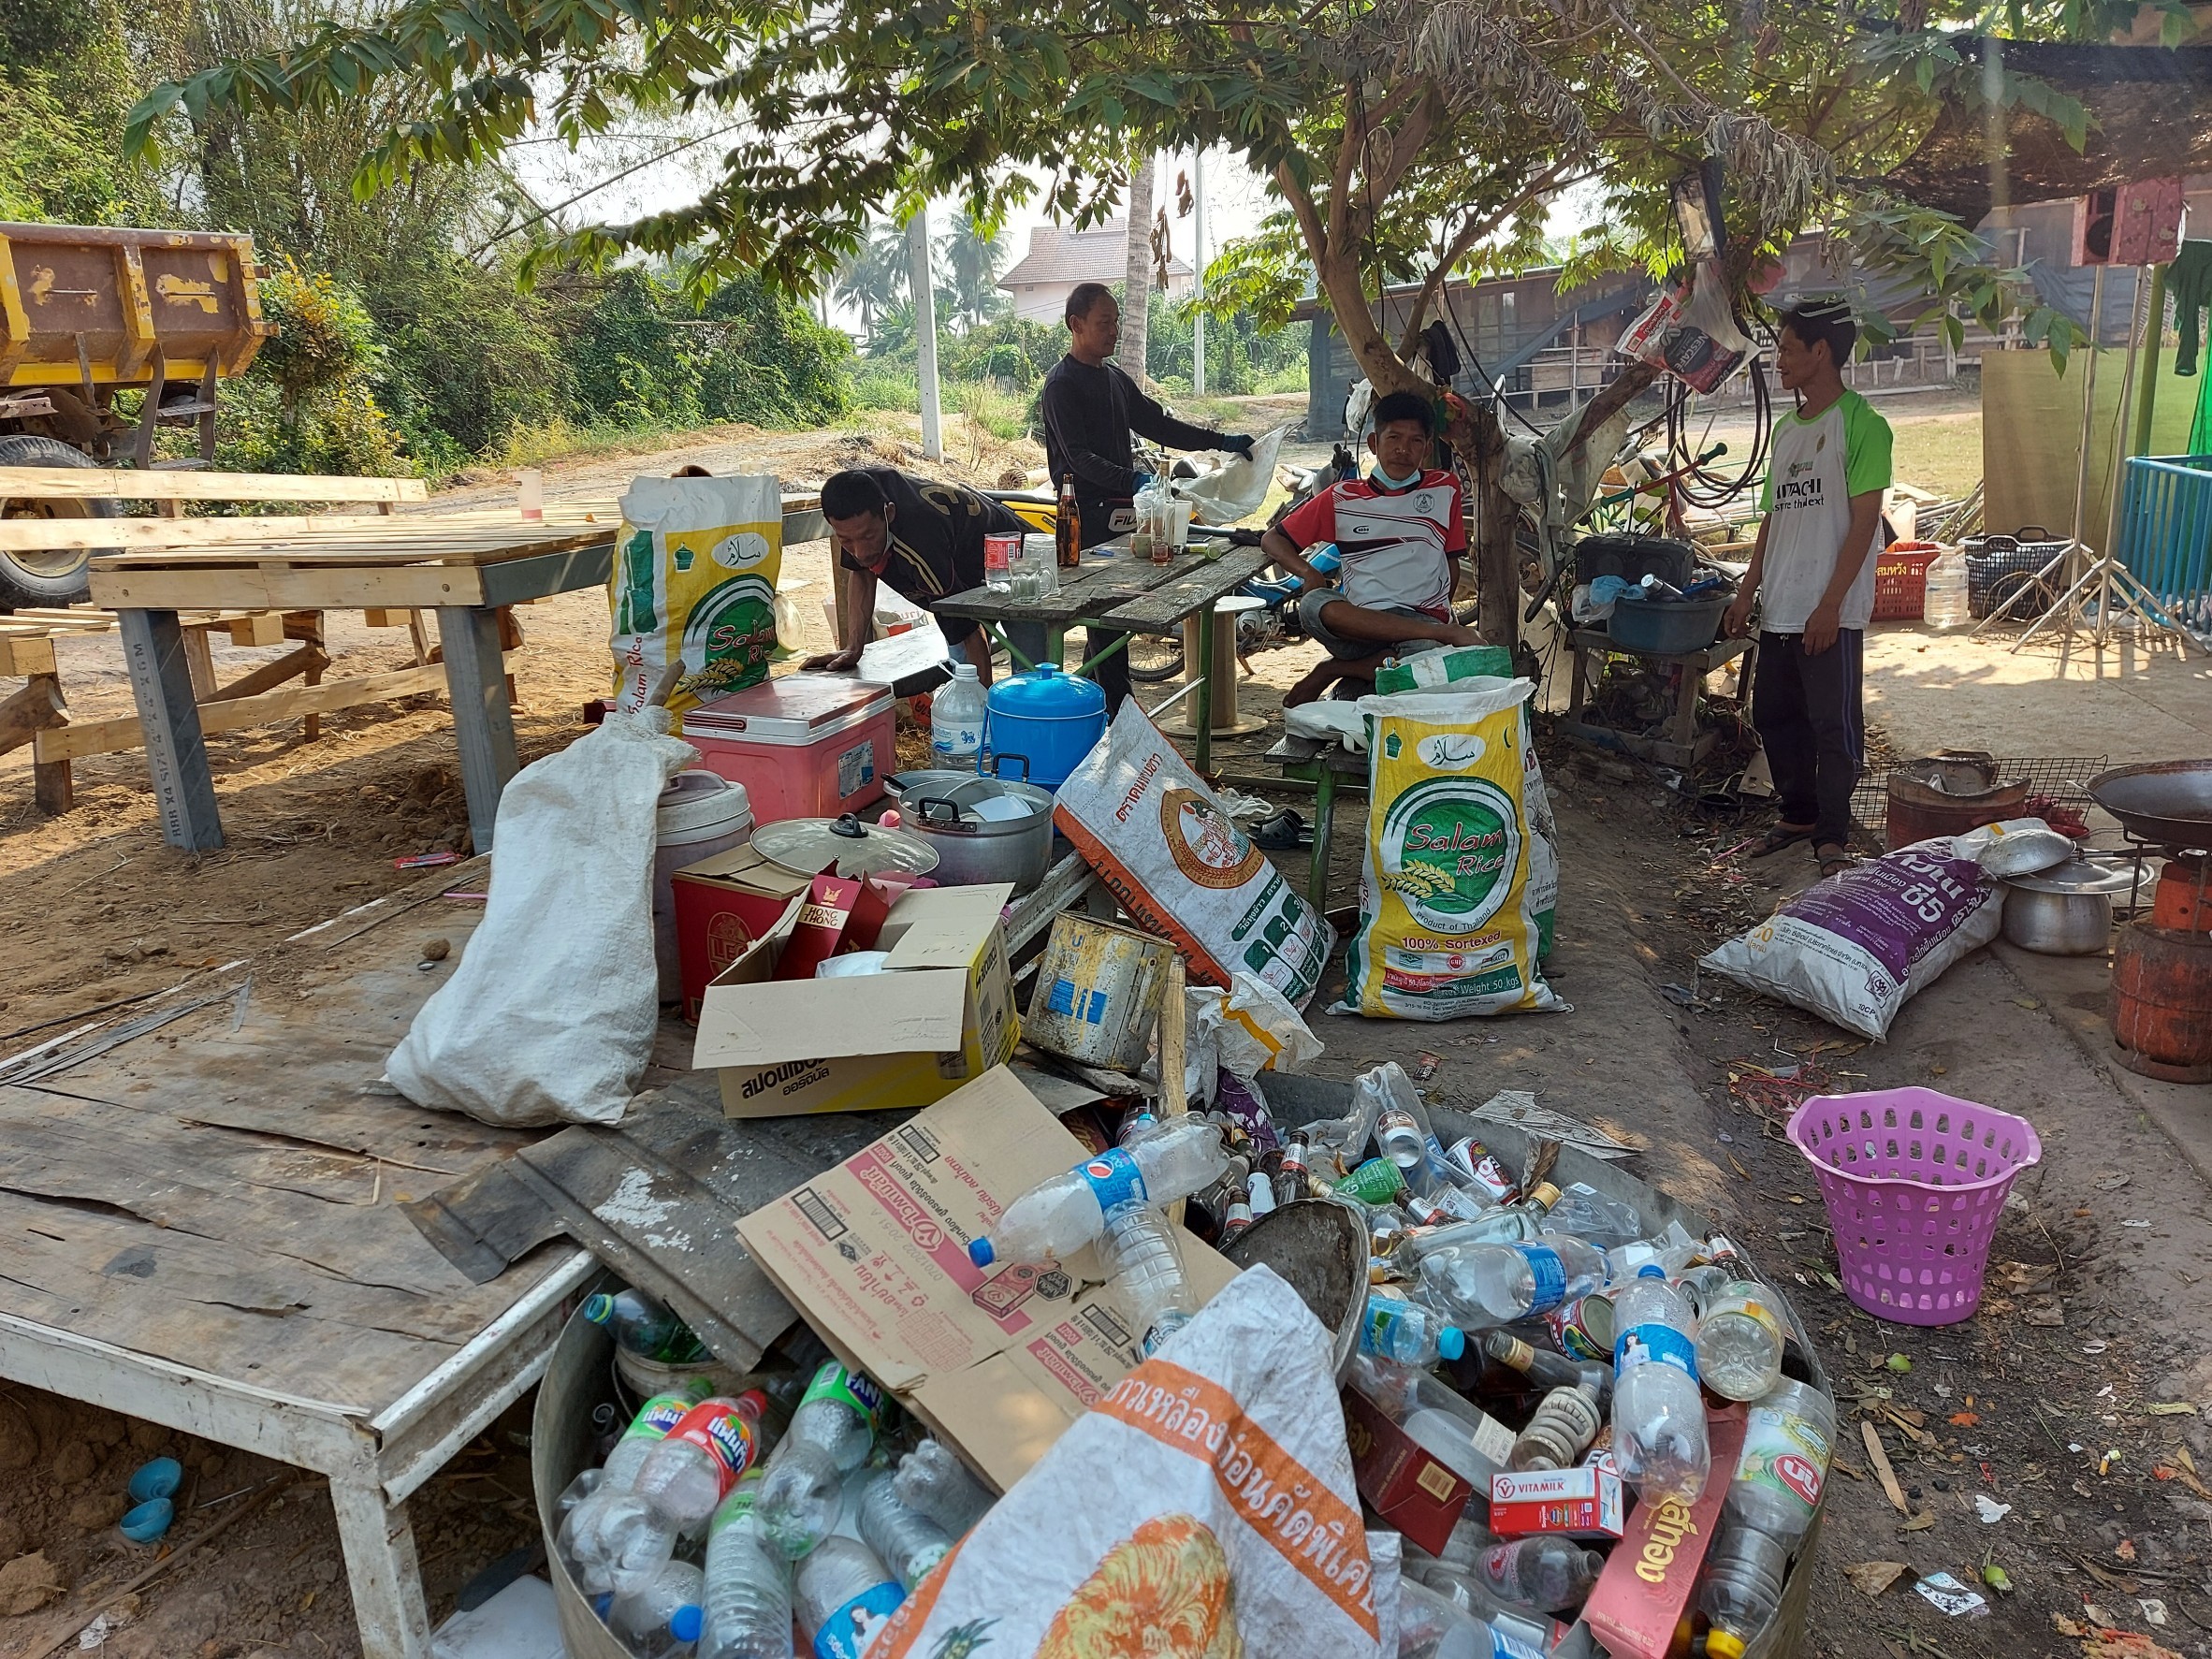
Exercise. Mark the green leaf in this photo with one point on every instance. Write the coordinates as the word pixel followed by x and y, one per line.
pixel 1897 1362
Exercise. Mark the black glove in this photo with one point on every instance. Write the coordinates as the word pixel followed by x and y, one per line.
pixel 1238 443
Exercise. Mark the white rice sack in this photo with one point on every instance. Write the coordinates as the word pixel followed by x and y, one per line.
pixel 1183 868
pixel 1857 947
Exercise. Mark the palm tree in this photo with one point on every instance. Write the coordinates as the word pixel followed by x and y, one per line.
pixel 875 278
pixel 972 262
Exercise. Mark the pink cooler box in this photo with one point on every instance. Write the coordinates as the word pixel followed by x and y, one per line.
pixel 803 745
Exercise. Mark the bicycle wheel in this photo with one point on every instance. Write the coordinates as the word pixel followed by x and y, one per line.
pixel 1155 656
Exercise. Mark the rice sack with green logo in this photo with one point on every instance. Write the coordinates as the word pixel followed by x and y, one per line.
pixel 1449 670
pixel 696 562
pixel 1447 910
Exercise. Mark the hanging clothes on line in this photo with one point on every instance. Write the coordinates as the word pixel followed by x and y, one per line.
pixel 2189 280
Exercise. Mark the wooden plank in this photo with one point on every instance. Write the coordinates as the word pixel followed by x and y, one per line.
pixel 1163 607
pixel 237 714
pixel 263 628
pixel 35 708
pixel 277 588
pixel 120 484
pixel 36 535
pixel 26 654
pixel 268 676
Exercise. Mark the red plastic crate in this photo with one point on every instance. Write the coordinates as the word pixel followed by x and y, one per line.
pixel 1900 581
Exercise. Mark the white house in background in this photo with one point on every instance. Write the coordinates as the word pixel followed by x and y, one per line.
pixel 1059 258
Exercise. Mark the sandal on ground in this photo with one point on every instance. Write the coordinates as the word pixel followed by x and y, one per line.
pixel 1834 858
pixel 1780 835
pixel 1284 832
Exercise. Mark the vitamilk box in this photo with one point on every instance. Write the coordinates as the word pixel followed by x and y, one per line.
pixel 1583 1502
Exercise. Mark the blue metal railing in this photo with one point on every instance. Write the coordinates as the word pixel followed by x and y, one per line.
pixel 2165 533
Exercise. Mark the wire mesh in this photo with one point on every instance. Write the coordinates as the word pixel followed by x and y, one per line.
pixel 2064 778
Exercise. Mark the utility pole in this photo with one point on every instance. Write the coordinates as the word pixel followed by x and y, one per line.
pixel 924 285
pixel 1198 258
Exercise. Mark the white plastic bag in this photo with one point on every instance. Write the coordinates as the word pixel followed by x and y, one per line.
pixel 1253 1029
pixel 1180 865
pixel 1202 1509
pixel 1857 947
pixel 1231 491
pixel 549 1018
pixel 1329 721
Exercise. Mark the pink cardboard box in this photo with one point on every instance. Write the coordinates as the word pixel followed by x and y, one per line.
pixel 1645 1588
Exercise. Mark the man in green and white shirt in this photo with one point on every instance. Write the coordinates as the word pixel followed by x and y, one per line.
pixel 1814 572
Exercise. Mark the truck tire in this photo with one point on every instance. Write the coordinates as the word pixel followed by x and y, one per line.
pixel 46 578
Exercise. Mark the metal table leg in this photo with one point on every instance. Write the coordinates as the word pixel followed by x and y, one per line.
pixel 176 753
pixel 483 720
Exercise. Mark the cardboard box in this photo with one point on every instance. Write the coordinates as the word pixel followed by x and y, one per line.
pixel 1581 1503
pixel 874 1253
pixel 1640 1596
pixel 840 914
pixel 1405 1484
pixel 723 906
pixel 944 1014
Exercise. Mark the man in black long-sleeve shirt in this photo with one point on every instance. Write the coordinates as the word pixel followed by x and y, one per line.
pixel 1090 408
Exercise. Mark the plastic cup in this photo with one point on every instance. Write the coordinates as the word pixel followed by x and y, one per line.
pixel 1179 525
pixel 159 1478
pixel 148 1522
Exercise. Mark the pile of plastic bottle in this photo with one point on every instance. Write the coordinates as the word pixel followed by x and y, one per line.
pixel 1511 1331
pixel 716 1523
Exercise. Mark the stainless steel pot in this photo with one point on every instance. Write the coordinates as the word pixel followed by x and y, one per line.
pixel 971 850
pixel 2066 912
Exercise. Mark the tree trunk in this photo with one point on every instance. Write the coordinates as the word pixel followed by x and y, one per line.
pixel 1136 301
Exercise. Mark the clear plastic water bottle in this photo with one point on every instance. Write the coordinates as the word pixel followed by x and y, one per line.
pixel 1659 1438
pixel 906 1540
pixel 1146 1264
pixel 1481 1286
pixel 680 1484
pixel 747 1589
pixel 576 1492
pixel 1739 1336
pixel 1593 1217
pixel 1944 601
pixel 956 721
pixel 1434 1623
pixel 1786 1446
pixel 579 1541
pixel 1547 1575
pixel 1444 1423
pixel 1402 1132
pixel 643 1326
pixel 933 1481
pixel 831 1435
pixel 1624 1264
pixel 1057 1217
pixel 1408 1332
pixel 1520 1222
pixel 639 1619
pixel 844 1596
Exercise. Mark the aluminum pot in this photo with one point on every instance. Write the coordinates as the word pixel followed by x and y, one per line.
pixel 2066 912
pixel 972 851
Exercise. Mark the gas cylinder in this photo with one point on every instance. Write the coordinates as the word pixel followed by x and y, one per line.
pixel 2162 1002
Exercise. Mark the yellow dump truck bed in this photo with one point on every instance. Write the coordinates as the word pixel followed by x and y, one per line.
pixel 83 303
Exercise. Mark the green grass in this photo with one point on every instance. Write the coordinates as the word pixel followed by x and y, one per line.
pixel 1938 452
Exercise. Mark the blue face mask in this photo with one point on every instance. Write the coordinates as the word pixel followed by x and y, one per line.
pixel 1388 482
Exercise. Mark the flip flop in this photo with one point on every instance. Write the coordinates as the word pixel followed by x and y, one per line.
pixel 1780 835
pixel 1835 863
pixel 1283 832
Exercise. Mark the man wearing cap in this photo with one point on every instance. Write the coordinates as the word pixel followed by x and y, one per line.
pixel 1089 408
pixel 921 537
pixel 1812 570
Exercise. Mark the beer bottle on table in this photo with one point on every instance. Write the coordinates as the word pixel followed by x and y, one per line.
pixel 1067 526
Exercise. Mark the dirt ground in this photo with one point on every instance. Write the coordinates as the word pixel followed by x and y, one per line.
pixel 2047 1402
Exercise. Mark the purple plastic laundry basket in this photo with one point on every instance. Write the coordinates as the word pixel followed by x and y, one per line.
pixel 1914 1181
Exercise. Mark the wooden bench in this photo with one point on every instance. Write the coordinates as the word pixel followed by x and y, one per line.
pixel 1682 746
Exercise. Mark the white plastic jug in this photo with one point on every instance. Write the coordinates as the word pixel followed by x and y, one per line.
pixel 956 722
pixel 700 815
pixel 1944 600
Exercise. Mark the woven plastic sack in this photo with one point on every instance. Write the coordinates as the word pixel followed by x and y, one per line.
pixel 695 578
pixel 549 1017
pixel 1449 919
pixel 1180 865
pixel 1202 1509
pixel 1857 947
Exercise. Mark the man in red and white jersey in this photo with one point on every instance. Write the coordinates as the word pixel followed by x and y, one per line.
pixel 1400 534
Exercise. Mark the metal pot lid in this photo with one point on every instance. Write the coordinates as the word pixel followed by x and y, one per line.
pixel 808 846
pixel 2076 875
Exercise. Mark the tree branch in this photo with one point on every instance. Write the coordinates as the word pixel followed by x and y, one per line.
pixel 1473 231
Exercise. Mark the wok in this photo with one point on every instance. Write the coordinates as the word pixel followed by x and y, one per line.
pixel 2167 803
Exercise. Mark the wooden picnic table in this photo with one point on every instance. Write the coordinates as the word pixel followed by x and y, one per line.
pixel 1110 590
pixel 464 566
